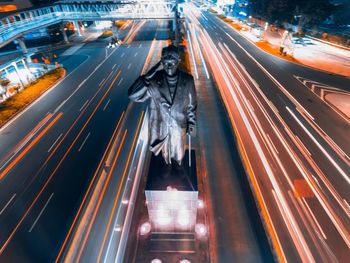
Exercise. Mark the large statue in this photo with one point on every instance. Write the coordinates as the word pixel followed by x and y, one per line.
pixel 172 105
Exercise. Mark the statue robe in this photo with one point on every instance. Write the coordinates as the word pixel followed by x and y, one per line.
pixel 169 118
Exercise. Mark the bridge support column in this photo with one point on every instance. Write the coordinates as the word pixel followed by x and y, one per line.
pixel 23 46
pixel 115 29
pixel 18 75
pixel 30 76
pixel 64 33
pixel 28 59
pixel 77 27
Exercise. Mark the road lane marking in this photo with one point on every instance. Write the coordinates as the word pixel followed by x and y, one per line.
pixel 82 83
pixel 90 187
pixel 101 82
pixel 129 65
pixel 8 203
pixel 114 65
pixel 140 45
pixel 82 145
pixel 60 106
pixel 41 212
pixel 104 108
pixel 20 156
pixel 122 55
pixel 120 81
pixel 84 105
pixel 55 142
pixel 136 54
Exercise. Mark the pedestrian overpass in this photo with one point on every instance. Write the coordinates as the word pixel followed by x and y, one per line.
pixel 18 23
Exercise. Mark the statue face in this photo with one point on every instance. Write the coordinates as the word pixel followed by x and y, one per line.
pixel 170 65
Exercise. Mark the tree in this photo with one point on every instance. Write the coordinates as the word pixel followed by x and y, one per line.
pixel 313 12
pixel 308 13
pixel 341 13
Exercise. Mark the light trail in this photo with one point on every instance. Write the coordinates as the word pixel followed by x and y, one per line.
pixel 302 247
pixel 89 188
pixel 3 247
pixel 27 149
pixel 120 187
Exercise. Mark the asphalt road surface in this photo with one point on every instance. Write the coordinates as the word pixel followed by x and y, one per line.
pixel 50 153
pixel 296 146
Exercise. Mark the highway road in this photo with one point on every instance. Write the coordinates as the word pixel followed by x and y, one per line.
pixel 50 153
pixel 295 147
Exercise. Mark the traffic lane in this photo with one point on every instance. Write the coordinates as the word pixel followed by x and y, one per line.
pixel 112 107
pixel 77 69
pixel 79 89
pixel 32 166
pixel 281 103
pixel 72 109
pixel 67 115
pixel 97 239
pixel 341 213
pixel 26 167
pixel 271 191
pixel 336 128
pixel 293 173
pixel 18 129
pixel 235 230
pixel 25 200
pixel 327 162
pixel 238 230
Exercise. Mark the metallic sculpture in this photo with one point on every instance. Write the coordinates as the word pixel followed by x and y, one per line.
pixel 172 105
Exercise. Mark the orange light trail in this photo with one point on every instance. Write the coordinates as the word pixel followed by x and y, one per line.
pixel 82 246
pixel 89 188
pixel 24 152
pixel 37 197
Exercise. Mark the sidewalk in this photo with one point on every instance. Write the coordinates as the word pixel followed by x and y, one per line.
pixel 312 53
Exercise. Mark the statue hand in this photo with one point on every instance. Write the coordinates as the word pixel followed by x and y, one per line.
pixel 149 75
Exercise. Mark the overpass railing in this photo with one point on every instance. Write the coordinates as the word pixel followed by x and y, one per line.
pixel 19 23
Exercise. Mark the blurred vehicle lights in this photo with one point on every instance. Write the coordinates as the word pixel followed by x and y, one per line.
pixel 145 228
pixel 201 230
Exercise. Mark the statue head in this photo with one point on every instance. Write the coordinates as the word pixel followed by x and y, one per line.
pixel 170 59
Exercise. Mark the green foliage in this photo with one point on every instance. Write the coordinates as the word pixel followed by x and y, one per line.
pixel 341 14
